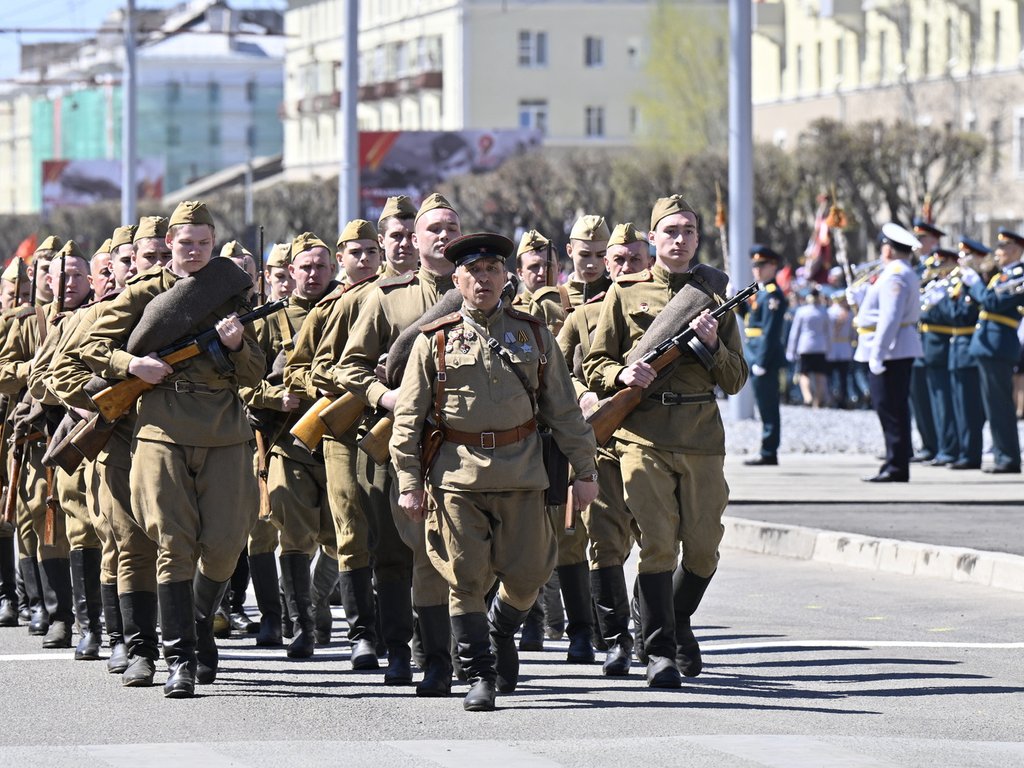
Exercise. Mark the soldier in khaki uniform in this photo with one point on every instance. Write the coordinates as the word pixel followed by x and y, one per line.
pixel 367 536
pixel 296 478
pixel 539 297
pixel 278 279
pixel 148 249
pixel 671 449
pixel 19 343
pixel 192 485
pixel 134 592
pixel 588 241
pixel 484 377
pixel 606 522
pixel 393 306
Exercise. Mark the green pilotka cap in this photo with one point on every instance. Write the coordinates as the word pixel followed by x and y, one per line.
pixel 433 202
pixel 626 234
pixel 191 212
pixel 51 243
pixel 233 250
pixel 280 256
pixel 306 241
pixel 106 247
pixel 532 241
pixel 151 226
pixel 122 236
pixel 357 229
pixel 15 270
pixel 666 206
pixel 400 206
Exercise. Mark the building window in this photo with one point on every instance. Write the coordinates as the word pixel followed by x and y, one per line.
pixel 593 121
pixel 633 53
pixel 819 58
pixel 997 34
pixel 926 47
pixel 951 44
pixel 883 61
pixel 214 93
pixel 173 136
pixel 593 51
pixel 1018 143
pixel 533 48
pixel 250 91
pixel 634 120
pixel 173 92
pixel 840 58
pixel 799 69
pixel 996 142
pixel 214 135
pixel 534 114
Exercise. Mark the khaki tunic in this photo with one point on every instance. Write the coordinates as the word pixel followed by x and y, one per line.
pixel 192 486
pixel 581 293
pixel 498 489
pixel 671 456
pixel 545 305
pixel 393 306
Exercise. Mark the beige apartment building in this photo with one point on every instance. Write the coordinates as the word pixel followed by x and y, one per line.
pixel 956 63
pixel 571 69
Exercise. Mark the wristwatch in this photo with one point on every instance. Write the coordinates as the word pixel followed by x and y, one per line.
pixel 589 477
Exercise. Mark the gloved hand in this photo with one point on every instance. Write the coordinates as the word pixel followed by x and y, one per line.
pixel 876 366
pixel 969 277
pixel 757 370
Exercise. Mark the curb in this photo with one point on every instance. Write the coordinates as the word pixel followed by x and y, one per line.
pixel 908 558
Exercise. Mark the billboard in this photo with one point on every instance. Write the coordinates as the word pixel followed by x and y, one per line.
pixel 68 183
pixel 414 162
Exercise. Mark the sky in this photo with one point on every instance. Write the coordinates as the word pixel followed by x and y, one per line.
pixel 77 14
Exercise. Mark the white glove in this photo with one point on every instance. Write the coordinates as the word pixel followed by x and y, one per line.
pixel 877 367
pixel 757 370
pixel 969 277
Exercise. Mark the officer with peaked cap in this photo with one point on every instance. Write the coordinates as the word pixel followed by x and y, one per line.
pixel 192 483
pixel 764 318
pixel 889 343
pixel 996 347
pixel 482 378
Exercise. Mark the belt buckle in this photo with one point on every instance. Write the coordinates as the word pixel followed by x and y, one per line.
pixel 185 387
pixel 484 440
pixel 667 398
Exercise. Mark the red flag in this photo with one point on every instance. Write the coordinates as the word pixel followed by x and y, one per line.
pixel 26 248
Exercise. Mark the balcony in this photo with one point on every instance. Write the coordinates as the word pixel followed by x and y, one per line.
pixel 388 89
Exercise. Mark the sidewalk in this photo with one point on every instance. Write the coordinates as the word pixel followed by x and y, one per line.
pixel 955 525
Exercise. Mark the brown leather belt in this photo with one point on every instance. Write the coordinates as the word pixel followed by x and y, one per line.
pixel 188 387
pixel 491 440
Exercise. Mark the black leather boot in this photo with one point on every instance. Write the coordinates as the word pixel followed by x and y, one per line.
pixel 178 627
pixel 207 595
pixel 325 579
pixel 638 632
pixel 138 615
pixel 575 581
pixel 554 611
pixel 658 619
pixel 289 613
pixel 8 584
pixel 687 591
pixel 55 575
pixel 263 570
pixel 435 635
pixel 118 661
pixel 532 638
pixel 85 586
pixel 31 577
pixel 609 588
pixel 240 620
pixel 503 621
pixel 470 632
pixel 295 571
pixel 24 610
pixel 394 600
pixel 357 598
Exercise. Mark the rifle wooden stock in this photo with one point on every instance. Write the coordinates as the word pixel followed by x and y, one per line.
pixel 375 442
pixel 342 414
pixel 611 412
pixel 50 520
pixel 261 476
pixel 570 513
pixel 115 401
pixel 14 474
pixel 309 430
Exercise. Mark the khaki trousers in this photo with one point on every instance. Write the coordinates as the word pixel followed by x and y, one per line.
pixel 196 503
pixel 352 523
pixel 32 507
pixel 675 497
pixel 475 537
pixel 298 498
pixel 429 587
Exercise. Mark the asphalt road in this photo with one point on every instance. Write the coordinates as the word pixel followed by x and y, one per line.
pixel 807 665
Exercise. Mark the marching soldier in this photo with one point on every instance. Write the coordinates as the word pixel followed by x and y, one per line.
pixel 936 337
pixel 391 307
pixel 192 485
pixel 276 274
pixel 150 249
pixel 484 377
pixel 764 317
pixel 606 522
pixel 671 449
pixel 928 235
pixel 588 241
pixel 889 342
pixel 996 347
pixel 535 265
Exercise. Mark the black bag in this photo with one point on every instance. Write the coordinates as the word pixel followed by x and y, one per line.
pixel 557 465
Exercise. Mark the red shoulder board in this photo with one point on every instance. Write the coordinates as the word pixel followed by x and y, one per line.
pixel 441 322
pixel 512 312
pixel 391 282
pixel 597 298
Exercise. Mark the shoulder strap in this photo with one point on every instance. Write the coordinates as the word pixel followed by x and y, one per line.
pixel 563 296
pixel 442 375
pixel 285 326
pixel 43 326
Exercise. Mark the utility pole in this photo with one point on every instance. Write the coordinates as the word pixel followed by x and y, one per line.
pixel 348 134
pixel 128 114
pixel 741 165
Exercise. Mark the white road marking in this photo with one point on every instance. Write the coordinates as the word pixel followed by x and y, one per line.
pixel 810 644
pixel 459 754
pixel 789 751
pixel 160 755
